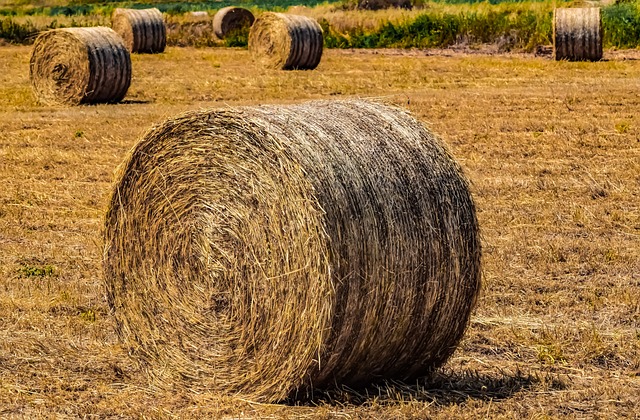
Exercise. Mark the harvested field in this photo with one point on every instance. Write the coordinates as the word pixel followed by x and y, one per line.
pixel 553 153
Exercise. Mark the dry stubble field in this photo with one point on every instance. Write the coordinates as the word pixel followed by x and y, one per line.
pixel 553 153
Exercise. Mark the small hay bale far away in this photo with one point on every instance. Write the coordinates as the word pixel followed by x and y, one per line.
pixel 287 42
pixel 201 14
pixel 80 65
pixel 264 251
pixel 384 4
pixel 143 30
pixel 577 34
pixel 231 19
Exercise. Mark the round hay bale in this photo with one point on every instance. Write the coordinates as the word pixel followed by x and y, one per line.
pixel 231 19
pixel 143 30
pixel 262 251
pixel 201 14
pixel 384 4
pixel 287 42
pixel 80 65
pixel 577 34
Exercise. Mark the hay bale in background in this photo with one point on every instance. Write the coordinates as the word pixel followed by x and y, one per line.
pixel 80 65
pixel 384 4
pixel 143 30
pixel 199 14
pixel 287 42
pixel 577 34
pixel 231 19
pixel 263 250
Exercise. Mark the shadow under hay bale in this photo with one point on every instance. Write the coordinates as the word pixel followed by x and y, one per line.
pixel 577 34
pixel 231 19
pixel 287 42
pixel 143 30
pixel 80 65
pixel 264 251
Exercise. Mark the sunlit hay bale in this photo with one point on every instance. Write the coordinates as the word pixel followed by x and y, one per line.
pixel 384 4
pixel 80 65
pixel 287 42
pixel 577 34
pixel 231 19
pixel 143 30
pixel 262 251
pixel 201 14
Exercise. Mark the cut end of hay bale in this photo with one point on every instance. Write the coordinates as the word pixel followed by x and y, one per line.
pixel 80 65
pixel 577 34
pixel 263 250
pixel 143 30
pixel 287 42
pixel 229 20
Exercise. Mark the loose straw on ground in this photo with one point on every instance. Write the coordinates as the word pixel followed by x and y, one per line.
pixel 143 30
pixel 288 42
pixel 264 251
pixel 80 65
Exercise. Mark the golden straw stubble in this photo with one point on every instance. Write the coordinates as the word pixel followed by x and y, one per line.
pixel 80 65
pixel 264 251
pixel 287 42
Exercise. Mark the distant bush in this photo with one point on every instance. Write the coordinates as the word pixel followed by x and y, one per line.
pixel 621 25
pixel 18 33
pixel 520 30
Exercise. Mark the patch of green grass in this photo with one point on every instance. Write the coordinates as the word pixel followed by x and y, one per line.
pixel 29 270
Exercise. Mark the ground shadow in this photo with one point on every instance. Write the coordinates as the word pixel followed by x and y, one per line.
pixel 443 388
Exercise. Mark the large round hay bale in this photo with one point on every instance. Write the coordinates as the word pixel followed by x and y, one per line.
pixel 288 42
pixel 231 19
pixel 143 30
pixel 577 34
pixel 261 251
pixel 80 65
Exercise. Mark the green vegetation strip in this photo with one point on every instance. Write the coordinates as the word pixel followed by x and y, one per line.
pixel 509 27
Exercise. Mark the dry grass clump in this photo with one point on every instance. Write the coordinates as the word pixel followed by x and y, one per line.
pixel 287 42
pixel 577 34
pixel 262 251
pixel 80 65
pixel 143 30
pixel 231 19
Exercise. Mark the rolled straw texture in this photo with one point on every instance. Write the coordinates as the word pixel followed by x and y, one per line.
pixel 577 34
pixel 263 251
pixel 231 19
pixel 143 30
pixel 80 65
pixel 287 42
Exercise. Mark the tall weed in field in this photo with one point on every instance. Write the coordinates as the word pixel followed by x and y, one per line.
pixel 621 25
pixel 522 29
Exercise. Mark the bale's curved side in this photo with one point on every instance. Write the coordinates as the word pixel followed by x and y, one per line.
pixel 262 250
pixel 577 34
pixel 231 19
pixel 143 30
pixel 288 42
pixel 80 65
